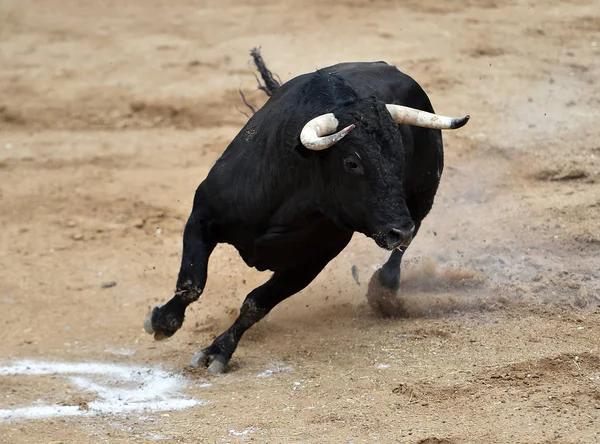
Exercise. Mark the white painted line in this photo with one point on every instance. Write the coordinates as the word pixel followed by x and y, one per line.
pixel 245 432
pixel 274 368
pixel 115 389
pixel 121 351
pixel 41 412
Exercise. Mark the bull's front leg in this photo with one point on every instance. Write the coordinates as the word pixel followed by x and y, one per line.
pixel 166 319
pixel 384 286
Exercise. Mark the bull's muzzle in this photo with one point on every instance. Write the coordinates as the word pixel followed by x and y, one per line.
pixel 395 236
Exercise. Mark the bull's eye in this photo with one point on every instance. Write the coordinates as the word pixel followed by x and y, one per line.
pixel 353 166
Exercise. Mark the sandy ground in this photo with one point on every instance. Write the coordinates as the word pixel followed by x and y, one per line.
pixel 112 112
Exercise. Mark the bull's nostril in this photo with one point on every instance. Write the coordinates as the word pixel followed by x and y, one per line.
pixel 394 236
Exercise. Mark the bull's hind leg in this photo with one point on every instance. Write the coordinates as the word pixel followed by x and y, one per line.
pixel 257 304
pixel 165 320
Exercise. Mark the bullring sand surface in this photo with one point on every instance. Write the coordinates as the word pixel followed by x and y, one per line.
pixel 112 112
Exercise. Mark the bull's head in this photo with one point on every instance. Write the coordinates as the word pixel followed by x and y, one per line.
pixel 365 170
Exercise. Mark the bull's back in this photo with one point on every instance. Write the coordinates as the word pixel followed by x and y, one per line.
pixel 367 79
pixel 384 81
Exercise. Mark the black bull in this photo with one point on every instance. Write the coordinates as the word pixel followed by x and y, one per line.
pixel 291 210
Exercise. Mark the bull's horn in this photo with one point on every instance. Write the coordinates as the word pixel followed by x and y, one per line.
pixel 416 117
pixel 319 133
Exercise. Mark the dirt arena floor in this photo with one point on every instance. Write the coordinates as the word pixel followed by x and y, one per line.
pixel 112 112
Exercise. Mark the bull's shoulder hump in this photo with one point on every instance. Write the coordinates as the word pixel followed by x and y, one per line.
pixel 343 67
pixel 369 71
pixel 345 71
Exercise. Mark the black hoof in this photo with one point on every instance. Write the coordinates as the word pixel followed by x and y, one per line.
pixel 383 299
pixel 162 325
pixel 214 362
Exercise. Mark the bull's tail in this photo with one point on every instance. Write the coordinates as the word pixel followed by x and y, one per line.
pixel 271 84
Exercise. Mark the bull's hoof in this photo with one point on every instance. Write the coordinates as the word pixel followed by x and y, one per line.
pixel 148 328
pixel 384 300
pixel 214 362
pixel 161 325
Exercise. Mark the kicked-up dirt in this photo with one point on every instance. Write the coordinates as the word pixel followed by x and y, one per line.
pixel 111 113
